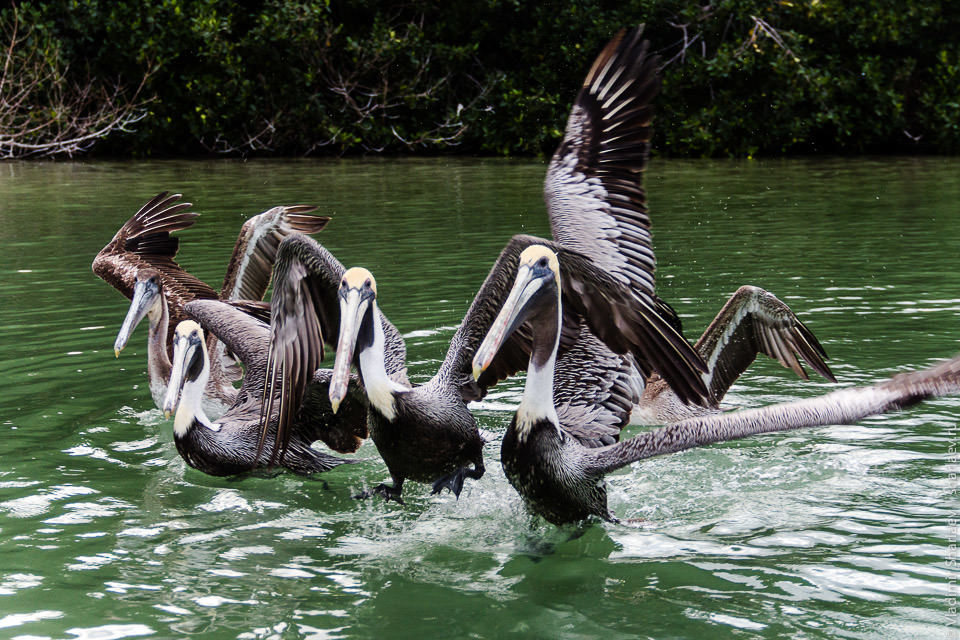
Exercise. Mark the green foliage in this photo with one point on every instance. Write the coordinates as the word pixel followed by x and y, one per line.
pixel 742 77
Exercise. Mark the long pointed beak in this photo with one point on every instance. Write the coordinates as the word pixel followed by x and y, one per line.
pixel 182 353
pixel 143 298
pixel 351 313
pixel 507 321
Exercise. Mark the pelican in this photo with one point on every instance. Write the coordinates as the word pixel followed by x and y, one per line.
pixel 556 456
pixel 599 220
pixel 426 433
pixel 230 445
pixel 752 321
pixel 139 262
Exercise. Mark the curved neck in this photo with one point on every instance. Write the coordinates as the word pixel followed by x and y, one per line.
pixel 158 356
pixel 159 317
pixel 190 409
pixel 372 365
pixel 537 403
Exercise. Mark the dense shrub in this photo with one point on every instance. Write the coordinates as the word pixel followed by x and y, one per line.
pixel 741 77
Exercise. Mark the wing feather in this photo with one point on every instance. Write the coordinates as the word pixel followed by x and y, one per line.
pixel 248 272
pixel 593 189
pixel 839 407
pixel 755 321
pixel 144 241
pixel 594 391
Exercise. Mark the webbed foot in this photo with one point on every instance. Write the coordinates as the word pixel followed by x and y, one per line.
pixel 383 490
pixel 454 481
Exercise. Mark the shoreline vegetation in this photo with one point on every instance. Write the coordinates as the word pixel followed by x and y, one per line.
pixel 741 78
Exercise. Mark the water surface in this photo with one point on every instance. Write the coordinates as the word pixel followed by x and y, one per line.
pixel 834 532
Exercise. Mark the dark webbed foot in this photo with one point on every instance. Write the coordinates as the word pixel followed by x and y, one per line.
pixel 454 481
pixel 383 490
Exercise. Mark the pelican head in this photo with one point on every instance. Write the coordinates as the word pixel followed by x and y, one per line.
pixel 146 299
pixel 188 374
pixel 537 284
pixel 358 299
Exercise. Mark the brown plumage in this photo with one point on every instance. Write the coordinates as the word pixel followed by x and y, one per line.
pixel 139 262
pixel 144 241
pixel 753 321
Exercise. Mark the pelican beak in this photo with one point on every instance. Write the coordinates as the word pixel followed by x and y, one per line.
pixel 187 360
pixel 145 295
pixel 352 309
pixel 517 308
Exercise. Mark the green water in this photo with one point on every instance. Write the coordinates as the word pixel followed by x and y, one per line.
pixel 836 532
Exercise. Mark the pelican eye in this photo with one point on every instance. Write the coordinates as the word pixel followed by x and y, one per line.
pixel 367 284
pixel 343 283
pixel 542 262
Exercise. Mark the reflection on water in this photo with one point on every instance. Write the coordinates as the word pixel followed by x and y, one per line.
pixel 833 532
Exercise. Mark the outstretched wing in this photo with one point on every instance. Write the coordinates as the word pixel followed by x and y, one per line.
pixel 145 241
pixel 624 320
pixel 593 189
pixel 839 407
pixel 248 272
pixel 305 314
pixel 755 321
pixel 594 391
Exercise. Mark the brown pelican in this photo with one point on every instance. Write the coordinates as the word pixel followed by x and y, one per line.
pixel 752 321
pixel 598 213
pixel 230 445
pixel 556 456
pixel 426 433
pixel 139 262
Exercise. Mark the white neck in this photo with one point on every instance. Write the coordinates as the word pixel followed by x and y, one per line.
pixel 191 405
pixel 380 388
pixel 537 403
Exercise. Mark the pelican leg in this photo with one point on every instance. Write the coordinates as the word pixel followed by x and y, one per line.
pixel 454 481
pixel 385 491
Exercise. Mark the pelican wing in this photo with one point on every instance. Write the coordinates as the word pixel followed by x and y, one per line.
pixel 145 241
pixel 594 391
pixel 839 407
pixel 627 322
pixel 305 314
pixel 248 272
pixel 593 188
pixel 755 321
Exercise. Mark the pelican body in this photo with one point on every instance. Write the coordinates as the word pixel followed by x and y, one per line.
pixel 552 457
pixel 424 433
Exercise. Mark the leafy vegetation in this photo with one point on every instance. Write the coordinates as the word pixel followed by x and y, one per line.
pixel 740 77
